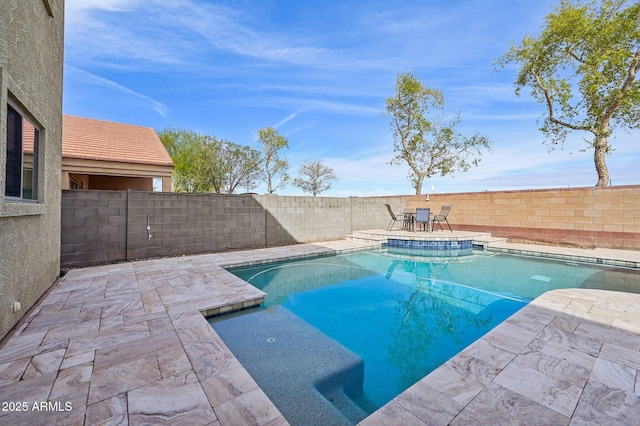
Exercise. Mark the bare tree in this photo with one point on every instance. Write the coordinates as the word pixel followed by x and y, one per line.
pixel 314 177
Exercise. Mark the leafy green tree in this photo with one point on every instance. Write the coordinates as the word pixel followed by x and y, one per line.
pixel 185 148
pixel 314 177
pixel 206 164
pixel 582 67
pixel 244 167
pixel 230 166
pixel 423 138
pixel 273 165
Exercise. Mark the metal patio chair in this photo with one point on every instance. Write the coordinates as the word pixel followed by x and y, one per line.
pixel 442 216
pixel 395 218
pixel 423 217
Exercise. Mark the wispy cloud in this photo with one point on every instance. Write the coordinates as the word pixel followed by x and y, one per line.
pixel 97 80
pixel 290 117
pixel 176 32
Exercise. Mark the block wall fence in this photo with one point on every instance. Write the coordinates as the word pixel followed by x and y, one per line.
pixel 588 217
pixel 101 227
pixel 110 226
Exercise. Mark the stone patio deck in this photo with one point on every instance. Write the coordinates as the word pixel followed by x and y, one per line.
pixel 128 344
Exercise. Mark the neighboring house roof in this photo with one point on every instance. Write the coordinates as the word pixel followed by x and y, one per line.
pixel 92 139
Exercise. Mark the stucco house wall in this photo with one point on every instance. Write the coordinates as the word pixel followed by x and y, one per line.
pixel 31 61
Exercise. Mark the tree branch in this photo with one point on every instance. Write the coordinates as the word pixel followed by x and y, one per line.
pixel 552 117
pixel 634 67
pixel 575 56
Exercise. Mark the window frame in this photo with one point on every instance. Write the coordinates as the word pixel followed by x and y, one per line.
pixel 36 164
pixel 11 206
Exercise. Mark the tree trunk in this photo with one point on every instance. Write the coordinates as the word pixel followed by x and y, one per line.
pixel 419 181
pixel 599 155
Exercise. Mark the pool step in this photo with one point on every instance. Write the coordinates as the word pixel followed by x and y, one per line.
pixel 367 237
pixel 487 240
pixel 309 376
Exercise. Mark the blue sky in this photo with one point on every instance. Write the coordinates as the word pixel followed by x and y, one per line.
pixel 320 73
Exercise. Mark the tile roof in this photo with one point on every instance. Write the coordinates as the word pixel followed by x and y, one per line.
pixel 92 139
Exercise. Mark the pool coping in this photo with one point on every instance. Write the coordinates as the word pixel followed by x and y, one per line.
pixel 129 343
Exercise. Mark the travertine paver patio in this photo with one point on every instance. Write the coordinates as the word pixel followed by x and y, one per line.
pixel 128 344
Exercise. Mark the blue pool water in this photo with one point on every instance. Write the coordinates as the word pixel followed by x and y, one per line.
pixel 348 333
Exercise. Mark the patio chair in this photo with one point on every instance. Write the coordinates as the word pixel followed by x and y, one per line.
pixel 395 218
pixel 423 217
pixel 442 216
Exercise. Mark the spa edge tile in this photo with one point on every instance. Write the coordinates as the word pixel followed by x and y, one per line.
pixel 496 405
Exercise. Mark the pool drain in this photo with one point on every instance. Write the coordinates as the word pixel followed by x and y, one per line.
pixel 271 340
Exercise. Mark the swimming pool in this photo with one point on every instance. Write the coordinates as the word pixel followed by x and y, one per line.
pixel 348 333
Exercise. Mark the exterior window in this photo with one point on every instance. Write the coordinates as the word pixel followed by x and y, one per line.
pixel 22 157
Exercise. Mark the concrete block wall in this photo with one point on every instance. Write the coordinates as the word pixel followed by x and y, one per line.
pixel 109 226
pixel 589 217
pixel 93 227
pixel 305 219
pixel 192 223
